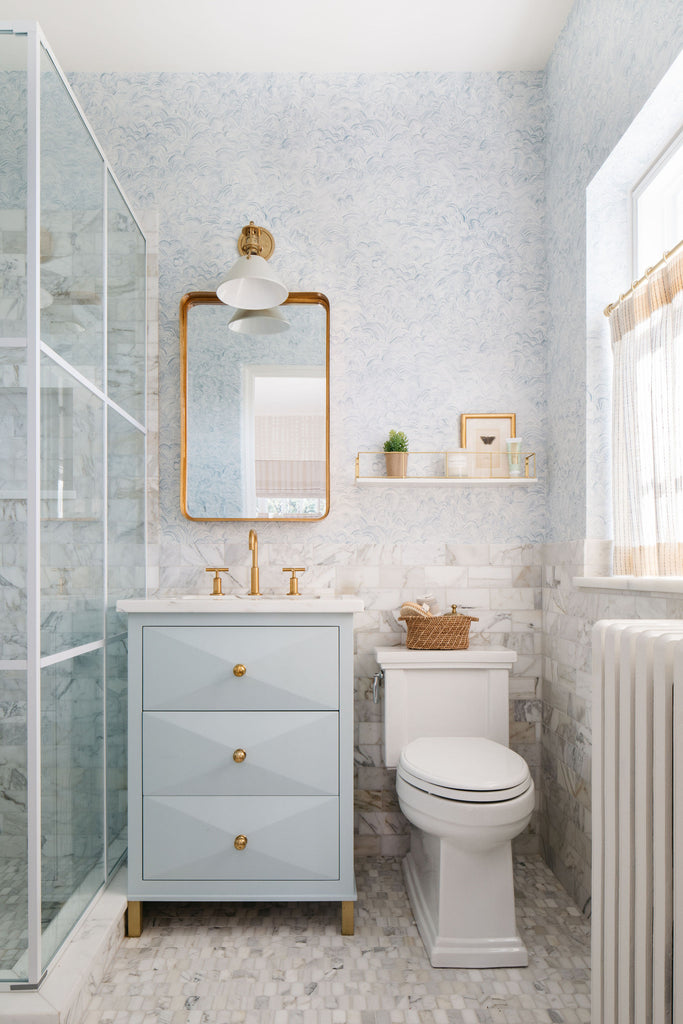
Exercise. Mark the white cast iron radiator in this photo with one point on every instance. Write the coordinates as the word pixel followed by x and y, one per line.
pixel 637 815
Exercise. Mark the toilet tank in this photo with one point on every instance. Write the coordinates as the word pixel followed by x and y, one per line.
pixel 444 693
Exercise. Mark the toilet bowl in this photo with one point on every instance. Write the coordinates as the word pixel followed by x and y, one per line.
pixel 466 796
pixel 466 799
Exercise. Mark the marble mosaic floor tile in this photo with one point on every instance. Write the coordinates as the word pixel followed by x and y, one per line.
pixel 254 963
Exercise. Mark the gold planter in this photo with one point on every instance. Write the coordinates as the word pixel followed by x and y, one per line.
pixel 397 463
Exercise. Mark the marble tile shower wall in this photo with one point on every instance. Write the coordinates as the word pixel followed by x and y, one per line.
pixel 69 754
pixel 63 560
pixel 72 795
pixel 13 769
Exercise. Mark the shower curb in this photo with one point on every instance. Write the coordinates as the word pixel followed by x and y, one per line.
pixel 78 969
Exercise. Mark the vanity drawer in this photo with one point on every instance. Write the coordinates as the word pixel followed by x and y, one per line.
pixel 286 668
pixel 193 838
pixel 289 753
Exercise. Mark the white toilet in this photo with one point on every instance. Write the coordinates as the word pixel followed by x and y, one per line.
pixel 465 794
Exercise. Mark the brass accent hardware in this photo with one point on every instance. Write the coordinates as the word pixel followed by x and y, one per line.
pixel 240 842
pixel 294 582
pixel 253 547
pixel 134 919
pixel 255 241
pixel 239 670
pixel 347 917
pixel 239 755
pixel 217 581
pixel 641 280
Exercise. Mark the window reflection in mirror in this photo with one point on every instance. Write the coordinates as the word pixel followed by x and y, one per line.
pixel 254 413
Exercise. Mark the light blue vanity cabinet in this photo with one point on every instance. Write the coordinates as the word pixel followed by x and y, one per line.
pixel 240 751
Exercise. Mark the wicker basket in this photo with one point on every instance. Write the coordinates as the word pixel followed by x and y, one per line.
pixel 438 632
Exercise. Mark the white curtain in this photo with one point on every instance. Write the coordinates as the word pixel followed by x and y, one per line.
pixel 647 426
pixel 290 456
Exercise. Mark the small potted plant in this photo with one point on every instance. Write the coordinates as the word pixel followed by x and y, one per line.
pixel 396 453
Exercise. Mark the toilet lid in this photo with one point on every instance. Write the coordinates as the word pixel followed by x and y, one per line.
pixel 470 768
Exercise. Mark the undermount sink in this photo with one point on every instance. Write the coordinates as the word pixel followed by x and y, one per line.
pixel 206 597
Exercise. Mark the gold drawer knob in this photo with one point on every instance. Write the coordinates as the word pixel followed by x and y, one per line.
pixel 240 842
pixel 239 670
pixel 239 755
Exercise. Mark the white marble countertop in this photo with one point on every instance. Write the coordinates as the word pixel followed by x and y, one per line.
pixel 231 604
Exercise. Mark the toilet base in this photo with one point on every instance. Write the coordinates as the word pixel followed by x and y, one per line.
pixel 438 928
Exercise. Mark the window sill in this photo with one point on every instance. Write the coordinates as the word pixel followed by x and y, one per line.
pixel 657 585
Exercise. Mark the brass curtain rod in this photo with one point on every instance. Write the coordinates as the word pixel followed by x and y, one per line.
pixel 636 284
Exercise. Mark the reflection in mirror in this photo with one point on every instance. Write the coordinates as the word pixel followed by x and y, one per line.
pixel 254 412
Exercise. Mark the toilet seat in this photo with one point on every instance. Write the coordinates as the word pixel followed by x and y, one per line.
pixel 472 769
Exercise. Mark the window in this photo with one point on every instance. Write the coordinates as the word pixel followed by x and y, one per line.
pixel 658 209
pixel 647 346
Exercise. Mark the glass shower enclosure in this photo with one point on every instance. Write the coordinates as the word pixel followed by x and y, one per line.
pixel 72 503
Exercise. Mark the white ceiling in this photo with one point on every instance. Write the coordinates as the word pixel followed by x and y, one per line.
pixel 299 35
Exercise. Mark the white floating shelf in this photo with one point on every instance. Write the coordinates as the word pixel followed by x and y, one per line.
pixel 437 473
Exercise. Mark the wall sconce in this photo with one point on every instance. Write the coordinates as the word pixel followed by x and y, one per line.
pixel 258 321
pixel 251 284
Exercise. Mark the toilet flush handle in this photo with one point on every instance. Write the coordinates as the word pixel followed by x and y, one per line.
pixel 377 680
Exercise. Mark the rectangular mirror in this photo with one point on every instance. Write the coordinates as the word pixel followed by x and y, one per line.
pixel 255 421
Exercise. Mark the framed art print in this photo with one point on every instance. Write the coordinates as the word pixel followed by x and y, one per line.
pixel 485 437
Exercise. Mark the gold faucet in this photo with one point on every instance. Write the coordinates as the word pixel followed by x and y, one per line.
pixel 253 547
pixel 294 583
pixel 217 581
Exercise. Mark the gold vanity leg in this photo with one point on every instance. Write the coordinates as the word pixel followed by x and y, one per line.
pixel 347 917
pixel 134 919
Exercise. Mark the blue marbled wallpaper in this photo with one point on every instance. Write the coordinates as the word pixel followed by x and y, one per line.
pixel 415 202
pixel 608 59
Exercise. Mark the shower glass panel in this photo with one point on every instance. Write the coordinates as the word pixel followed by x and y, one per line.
pixel 116 666
pixel 125 578
pixel 126 524
pixel 72 793
pixel 72 511
pixel 72 504
pixel 13 538
pixel 126 282
pixel 71 231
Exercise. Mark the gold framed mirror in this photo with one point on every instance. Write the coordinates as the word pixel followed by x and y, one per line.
pixel 254 412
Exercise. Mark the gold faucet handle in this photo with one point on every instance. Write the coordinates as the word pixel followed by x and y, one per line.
pixel 217 581
pixel 294 582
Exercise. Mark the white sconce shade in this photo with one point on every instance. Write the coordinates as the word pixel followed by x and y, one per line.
pixel 251 284
pixel 258 321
